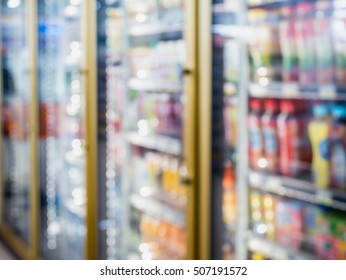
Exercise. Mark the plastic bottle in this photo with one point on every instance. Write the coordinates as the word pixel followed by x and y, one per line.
pixel 271 143
pixel 339 43
pixel 338 147
pixel 304 116
pixel 305 40
pixel 318 133
pixel 289 51
pixel 228 199
pixel 255 135
pixel 289 139
pixel 323 43
pixel 260 46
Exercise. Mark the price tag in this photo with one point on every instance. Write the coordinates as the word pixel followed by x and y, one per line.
pixel 324 197
pixel 258 91
pixel 327 92
pixel 290 90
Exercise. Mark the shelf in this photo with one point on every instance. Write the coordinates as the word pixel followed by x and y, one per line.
pixel 154 86
pixel 157 209
pixel 273 250
pixel 159 195
pixel 338 4
pixel 269 5
pixel 159 143
pixel 295 91
pixel 154 28
pixel 298 189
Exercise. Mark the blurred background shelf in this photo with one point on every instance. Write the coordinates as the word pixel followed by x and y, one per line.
pixel 295 91
pixel 156 142
pixel 157 209
pixel 298 189
pixel 274 251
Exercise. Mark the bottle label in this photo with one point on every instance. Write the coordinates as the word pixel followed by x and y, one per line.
pixel 255 139
pixel 290 143
pixel 270 141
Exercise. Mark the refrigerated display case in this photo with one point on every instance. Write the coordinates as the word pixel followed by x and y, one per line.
pixel 296 117
pixel 18 116
pixel 147 49
pixel 66 127
pixel 290 151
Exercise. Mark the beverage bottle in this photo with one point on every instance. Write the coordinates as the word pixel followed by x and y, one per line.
pixel 339 43
pixel 260 46
pixel 174 166
pixel 289 139
pixel 271 143
pixel 303 115
pixel 288 46
pixel 255 135
pixel 318 129
pixel 323 43
pixel 228 197
pixel 305 41
pixel 338 147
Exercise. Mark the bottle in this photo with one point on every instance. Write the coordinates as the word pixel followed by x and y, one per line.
pixel 255 135
pixel 323 43
pixel 228 197
pixel 318 129
pixel 289 50
pixel 260 46
pixel 271 143
pixel 304 116
pixel 305 41
pixel 339 44
pixel 338 147
pixel 289 139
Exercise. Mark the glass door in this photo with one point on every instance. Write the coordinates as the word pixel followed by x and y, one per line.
pixel 111 109
pixel 62 104
pixel 159 128
pixel 17 163
pixel 145 97
pixel 222 35
pixel 225 101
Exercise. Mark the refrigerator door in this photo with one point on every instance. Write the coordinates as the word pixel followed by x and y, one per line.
pixel 224 90
pixel 158 190
pixel 62 130
pixel 15 115
pixel 111 108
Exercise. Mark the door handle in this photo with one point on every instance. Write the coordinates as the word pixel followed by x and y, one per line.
pixel 185 177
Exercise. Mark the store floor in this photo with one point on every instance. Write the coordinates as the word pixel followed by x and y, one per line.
pixel 5 254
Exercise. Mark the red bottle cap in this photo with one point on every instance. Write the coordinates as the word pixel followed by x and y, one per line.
pixel 271 105
pixel 255 104
pixel 287 106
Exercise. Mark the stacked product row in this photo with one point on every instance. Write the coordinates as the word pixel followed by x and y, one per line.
pixel 299 226
pixel 286 139
pixel 298 42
